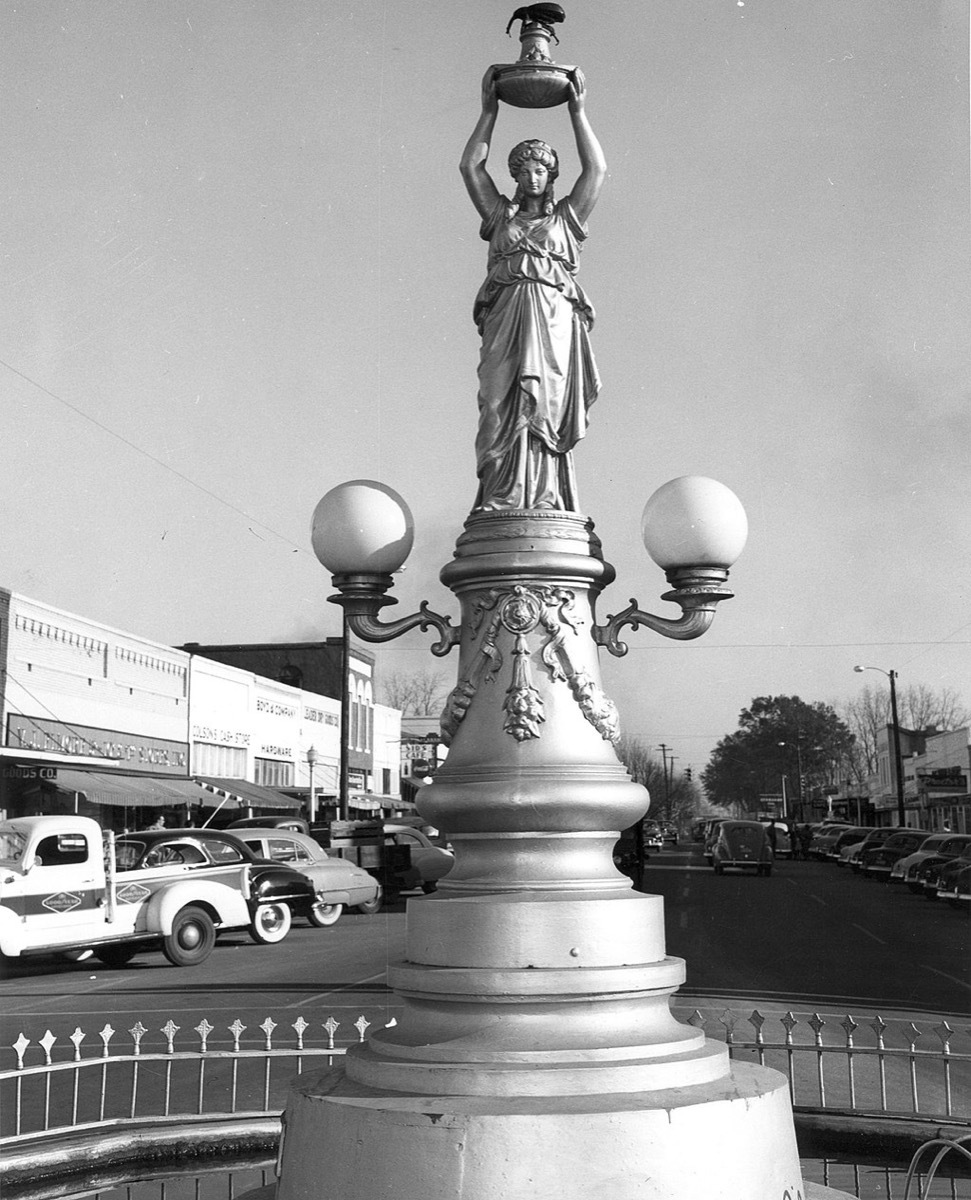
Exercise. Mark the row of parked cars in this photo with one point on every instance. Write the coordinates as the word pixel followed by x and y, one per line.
pixel 69 888
pixel 935 865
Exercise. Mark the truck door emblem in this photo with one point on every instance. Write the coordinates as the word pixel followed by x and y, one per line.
pixel 132 893
pixel 61 902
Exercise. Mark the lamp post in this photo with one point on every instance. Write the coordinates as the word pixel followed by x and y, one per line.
pixel 311 799
pixel 534 1052
pixel 897 761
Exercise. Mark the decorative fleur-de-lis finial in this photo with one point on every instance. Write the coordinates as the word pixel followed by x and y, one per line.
pixel 77 1037
pixel 19 1047
pixel 47 1041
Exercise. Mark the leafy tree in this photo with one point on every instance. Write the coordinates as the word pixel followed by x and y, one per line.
pixel 779 737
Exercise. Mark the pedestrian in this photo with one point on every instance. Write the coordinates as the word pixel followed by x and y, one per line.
pixel 805 839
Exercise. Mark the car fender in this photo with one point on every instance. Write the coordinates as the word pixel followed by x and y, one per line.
pixel 11 932
pixel 227 904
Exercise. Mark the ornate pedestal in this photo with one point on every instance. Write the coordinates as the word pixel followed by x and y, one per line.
pixel 536 1056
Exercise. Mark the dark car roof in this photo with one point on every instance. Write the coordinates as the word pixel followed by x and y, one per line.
pixel 151 836
pixel 742 825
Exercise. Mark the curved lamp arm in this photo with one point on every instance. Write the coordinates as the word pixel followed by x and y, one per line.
pixel 363 596
pixel 698 590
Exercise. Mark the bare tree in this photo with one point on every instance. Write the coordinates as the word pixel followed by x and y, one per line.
pixel 415 693
pixel 918 707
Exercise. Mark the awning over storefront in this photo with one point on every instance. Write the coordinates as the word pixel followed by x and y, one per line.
pixel 247 795
pixel 100 787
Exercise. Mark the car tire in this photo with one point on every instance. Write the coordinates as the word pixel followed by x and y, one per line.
pixel 766 871
pixel 192 938
pixel 117 955
pixel 271 924
pixel 428 888
pixel 719 869
pixel 321 915
pixel 370 907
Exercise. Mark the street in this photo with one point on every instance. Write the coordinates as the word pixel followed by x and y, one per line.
pixel 810 935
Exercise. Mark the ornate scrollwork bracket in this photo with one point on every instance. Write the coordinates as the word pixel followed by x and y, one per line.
pixel 698 590
pixel 363 596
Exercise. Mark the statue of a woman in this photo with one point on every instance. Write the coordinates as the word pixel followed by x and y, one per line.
pixel 537 376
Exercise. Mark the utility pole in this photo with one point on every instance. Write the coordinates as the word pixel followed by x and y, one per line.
pixel 667 786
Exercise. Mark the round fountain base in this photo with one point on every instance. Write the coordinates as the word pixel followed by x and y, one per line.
pixel 731 1139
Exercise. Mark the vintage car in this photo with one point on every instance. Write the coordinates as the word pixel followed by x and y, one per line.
pixel 829 843
pixel 876 861
pixel 849 855
pixel 69 888
pixel 338 882
pixel 429 863
pixel 653 836
pixel 946 845
pixel 954 881
pixel 742 844
pixel 274 893
pixel 825 836
pixel 926 874
pixel 780 838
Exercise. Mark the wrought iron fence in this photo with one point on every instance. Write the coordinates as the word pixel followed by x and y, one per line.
pixel 838 1068
pixel 833 1064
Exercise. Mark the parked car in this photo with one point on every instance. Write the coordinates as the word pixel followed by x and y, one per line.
pixel 274 893
pixel 429 863
pixel 743 844
pixel 65 890
pixel 824 837
pixel 954 883
pixel 831 842
pixel 711 837
pixel 669 833
pixel 928 869
pixel 337 882
pixel 950 845
pixel 294 824
pixel 850 854
pixel 876 861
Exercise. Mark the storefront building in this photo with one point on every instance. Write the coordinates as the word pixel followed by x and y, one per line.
pixel 111 725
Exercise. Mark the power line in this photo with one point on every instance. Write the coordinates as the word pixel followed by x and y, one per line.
pixel 151 457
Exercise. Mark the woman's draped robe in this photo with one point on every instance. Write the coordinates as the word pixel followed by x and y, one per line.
pixel 537 376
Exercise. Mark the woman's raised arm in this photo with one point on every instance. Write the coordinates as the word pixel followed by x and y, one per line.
pixel 478 182
pixel 593 166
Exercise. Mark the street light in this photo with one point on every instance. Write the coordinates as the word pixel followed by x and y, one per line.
pixel 312 799
pixel 898 763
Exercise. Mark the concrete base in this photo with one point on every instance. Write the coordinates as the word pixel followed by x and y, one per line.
pixel 728 1140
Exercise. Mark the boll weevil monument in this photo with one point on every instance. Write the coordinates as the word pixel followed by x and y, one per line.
pixel 535 1056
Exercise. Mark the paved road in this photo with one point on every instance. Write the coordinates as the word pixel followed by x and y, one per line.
pixel 810 935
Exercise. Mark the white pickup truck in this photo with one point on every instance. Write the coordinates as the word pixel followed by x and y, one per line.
pixel 60 892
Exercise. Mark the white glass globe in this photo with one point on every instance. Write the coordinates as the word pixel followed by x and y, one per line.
pixel 694 522
pixel 362 527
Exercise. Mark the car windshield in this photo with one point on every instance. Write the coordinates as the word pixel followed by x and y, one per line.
pixel 12 845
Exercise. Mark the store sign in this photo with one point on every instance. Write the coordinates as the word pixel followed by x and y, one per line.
pixel 30 772
pixel 82 741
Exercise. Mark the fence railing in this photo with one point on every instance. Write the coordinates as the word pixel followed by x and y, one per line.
pixel 83 1080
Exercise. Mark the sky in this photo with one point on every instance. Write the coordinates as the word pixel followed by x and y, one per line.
pixel 238 267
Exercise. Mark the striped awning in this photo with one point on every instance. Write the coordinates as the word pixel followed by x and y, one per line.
pixel 243 794
pixel 136 791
